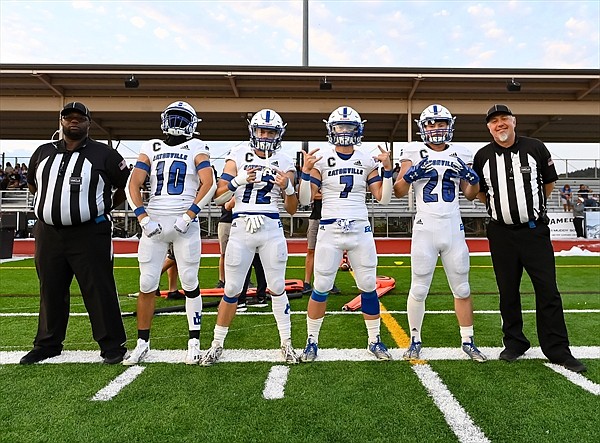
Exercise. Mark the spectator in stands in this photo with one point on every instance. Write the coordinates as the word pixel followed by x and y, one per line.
pixel 565 197
pixel 579 217
pixel 4 183
pixel 583 191
pixel 8 168
pixel 395 172
pixel 14 181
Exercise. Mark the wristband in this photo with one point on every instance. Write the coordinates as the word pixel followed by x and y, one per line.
pixel 231 186
pixel 387 174
pixel 304 176
pixel 289 189
pixel 139 211
pixel 194 208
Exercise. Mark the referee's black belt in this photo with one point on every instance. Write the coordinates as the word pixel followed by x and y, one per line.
pixel 531 224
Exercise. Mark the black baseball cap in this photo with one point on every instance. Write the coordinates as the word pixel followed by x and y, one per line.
pixel 497 109
pixel 76 107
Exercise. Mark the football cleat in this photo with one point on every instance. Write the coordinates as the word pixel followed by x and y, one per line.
pixel 310 351
pixel 379 350
pixel 288 353
pixel 211 356
pixel 193 352
pixel 414 350
pixel 139 353
pixel 472 351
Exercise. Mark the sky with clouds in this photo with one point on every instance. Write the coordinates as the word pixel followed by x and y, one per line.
pixel 370 33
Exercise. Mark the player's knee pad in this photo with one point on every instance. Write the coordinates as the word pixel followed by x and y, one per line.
pixel 418 292
pixel 369 303
pixel 366 281
pixel 192 294
pixel 462 291
pixel 232 288
pixel 319 296
pixel 148 283
pixel 277 287
pixel 188 277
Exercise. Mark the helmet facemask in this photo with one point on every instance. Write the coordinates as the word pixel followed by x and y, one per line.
pixel 431 115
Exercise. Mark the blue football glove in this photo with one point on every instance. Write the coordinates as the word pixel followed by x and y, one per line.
pixel 419 171
pixel 465 172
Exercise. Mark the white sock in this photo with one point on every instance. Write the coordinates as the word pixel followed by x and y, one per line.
pixel 313 327
pixel 373 327
pixel 219 335
pixel 281 310
pixel 416 312
pixel 466 332
pixel 193 311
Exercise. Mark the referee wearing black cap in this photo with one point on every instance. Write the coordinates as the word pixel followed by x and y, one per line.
pixel 517 175
pixel 74 182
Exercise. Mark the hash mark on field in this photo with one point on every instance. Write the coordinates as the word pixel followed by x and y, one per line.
pixel 114 387
pixel 575 378
pixel 275 383
pixel 457 418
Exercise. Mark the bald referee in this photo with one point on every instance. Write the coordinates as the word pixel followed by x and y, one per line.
pixel 517 175
pixel 74 181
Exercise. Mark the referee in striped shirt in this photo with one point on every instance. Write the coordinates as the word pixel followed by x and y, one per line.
pixel 517 175
pixel 74 182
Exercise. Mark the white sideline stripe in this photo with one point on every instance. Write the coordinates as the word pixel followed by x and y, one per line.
pixel 114 387
pixel 576 378
pixel 274 355
pixel 275 383
pixel 457 418
pixel 85 314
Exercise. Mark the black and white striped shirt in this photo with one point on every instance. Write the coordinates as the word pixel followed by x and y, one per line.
pixel 74 187
pixel 513 179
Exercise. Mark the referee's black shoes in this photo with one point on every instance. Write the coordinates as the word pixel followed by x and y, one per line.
pixel 572 364
pixel 509 355
pixel 38 354
pixel 113 359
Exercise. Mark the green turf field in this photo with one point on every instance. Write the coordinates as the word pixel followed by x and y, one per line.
pixel 346 397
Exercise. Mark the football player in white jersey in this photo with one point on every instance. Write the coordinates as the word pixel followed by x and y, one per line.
pixel 181 183
pixel 344 174
pixel 437 169
pixel 260 177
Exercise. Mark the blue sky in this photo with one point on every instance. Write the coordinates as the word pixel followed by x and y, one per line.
pixel 490 34
pixel 465 34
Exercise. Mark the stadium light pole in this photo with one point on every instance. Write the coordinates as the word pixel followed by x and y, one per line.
pixel 305 49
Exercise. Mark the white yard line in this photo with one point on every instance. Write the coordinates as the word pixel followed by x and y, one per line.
pixel 274 355
pixel 457 418
pixel 114 387
pixel 275 383
pixel 576 378
pixel 268 312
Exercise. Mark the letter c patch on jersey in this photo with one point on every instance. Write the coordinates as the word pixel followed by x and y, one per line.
pixel 331 162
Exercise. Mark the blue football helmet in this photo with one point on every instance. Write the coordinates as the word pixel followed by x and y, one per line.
pixel 269 120
pixel 179 118
pixel 432 114
pixel 345 127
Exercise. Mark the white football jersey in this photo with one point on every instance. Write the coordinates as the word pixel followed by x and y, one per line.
pixel 437 194
pixel 264 197
pixel 174 181
pixel 344 184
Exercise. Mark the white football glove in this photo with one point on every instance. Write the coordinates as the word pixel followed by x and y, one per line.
pixel 182 223
pixel 150 228
pixel 253 222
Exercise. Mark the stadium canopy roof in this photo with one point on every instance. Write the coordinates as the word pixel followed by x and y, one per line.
pixel 553 105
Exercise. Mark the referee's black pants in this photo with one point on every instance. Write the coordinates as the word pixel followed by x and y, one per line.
pixel 515 249
pixel 84 251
